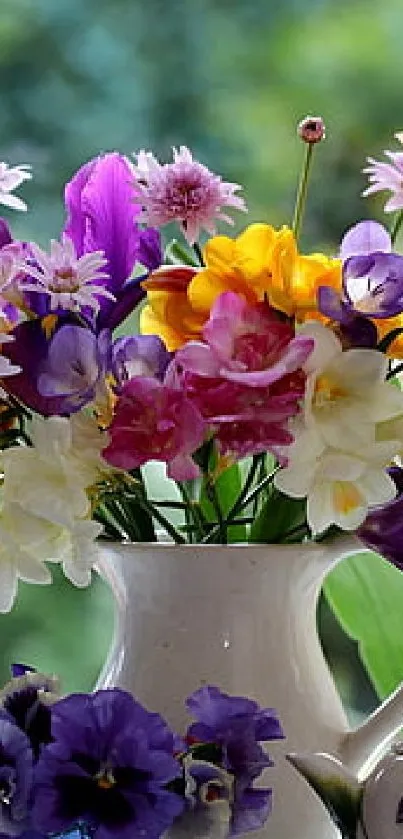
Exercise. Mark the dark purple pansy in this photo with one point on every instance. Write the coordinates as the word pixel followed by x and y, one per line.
pixel 110 766
pixel 26 701
pixel 238 726
pixel 76 361
pixel 382 530
pixel 16 775
pixel 101 216
pixel 139 355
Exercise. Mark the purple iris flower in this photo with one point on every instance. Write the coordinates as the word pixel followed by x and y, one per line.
pixel 16 775
pixel 382 530
pixel 139 355
pixel 76 361
pixel 238 726
pixel 110 765
pixel 101 216
pixel 372 283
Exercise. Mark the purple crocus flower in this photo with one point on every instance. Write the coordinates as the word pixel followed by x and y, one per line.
pixel 139 355
pixel 16 774
pixel 101 216
pixel 109 766
pixel 238 726
pixel 382 530
pixel 372 277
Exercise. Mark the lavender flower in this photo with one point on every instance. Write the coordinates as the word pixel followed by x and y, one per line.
pixel 71 282
pixel 26 700
pixel 387 176
pixel 76 362
pixel 184 191
pixel 12 177
pixel 16 773
pixel 139 355
pixel 109 766
pixel 237 725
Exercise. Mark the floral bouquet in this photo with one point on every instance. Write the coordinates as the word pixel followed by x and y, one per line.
pixel 265 380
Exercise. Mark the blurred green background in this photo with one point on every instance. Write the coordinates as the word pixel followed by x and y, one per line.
pixel 231 79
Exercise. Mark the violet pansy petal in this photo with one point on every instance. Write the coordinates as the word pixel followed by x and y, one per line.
pixel 364 238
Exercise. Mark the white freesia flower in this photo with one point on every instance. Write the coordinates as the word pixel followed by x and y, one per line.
pixel 78 552
pixel 23 540
pixel 340 485
pixel 12 177
pixel 346 393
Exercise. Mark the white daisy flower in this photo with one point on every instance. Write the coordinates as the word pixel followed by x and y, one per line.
pixel 10 178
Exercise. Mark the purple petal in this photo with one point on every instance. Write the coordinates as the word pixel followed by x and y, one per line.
pixel 29 350
pixel 126 301
pixel 5 233
pixel 382 530
pixel 330 304
pixel 373 284
pixel 72 367
pixel 139 355
pixel 150 249
pixel 100 201
pixel 21 670
pixel 365 237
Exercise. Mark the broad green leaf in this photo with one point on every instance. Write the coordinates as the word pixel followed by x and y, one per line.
pixel 228 487
pixel 366 595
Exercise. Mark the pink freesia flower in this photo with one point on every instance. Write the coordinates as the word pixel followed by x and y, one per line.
pixel 387 176
pixel 246 377
pixel 184 191
pixel 155 422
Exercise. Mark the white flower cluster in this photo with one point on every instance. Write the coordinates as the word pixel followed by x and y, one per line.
pixel 46 508
pixel 350 431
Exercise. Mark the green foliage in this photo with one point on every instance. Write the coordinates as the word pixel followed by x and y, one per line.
pixel 366 594
pixel 280 519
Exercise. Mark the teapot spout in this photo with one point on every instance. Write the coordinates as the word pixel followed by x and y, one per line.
pixel 361 749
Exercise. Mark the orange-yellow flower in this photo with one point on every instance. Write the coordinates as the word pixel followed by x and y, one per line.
pixel 168 312
pixel 260 263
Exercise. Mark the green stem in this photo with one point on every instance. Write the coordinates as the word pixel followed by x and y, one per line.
pixel 240 505
pixel 302 191
pixel 161 519
pixel 397 223
pixel 194 512
pixel 394 372
pixel 213 497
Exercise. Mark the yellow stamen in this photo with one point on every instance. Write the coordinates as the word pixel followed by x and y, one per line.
pixel 49 323
pixel 346 497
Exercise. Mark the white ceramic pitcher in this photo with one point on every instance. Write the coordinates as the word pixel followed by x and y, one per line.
pixel 242 617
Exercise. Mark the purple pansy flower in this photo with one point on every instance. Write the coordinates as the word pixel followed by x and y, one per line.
pixel 102 209
pixel 238 726
pixel 109 766
pixel 16 774
pixel 26 701
pixel 382 530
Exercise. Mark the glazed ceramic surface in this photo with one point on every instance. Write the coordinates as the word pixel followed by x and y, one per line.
pixel 242 617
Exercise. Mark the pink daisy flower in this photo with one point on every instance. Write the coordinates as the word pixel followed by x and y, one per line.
pixel 184 191
pixel 70 282
pixel 387 176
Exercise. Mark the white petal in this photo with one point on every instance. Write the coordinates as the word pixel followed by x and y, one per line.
pixel 320 511
pixel 12 201
pixel 378 487
pixel 8 584
pixel 327 345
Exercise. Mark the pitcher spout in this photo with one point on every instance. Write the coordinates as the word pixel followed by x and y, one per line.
pixel 362 748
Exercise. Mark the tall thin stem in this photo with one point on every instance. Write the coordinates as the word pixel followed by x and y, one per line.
pixel 302 191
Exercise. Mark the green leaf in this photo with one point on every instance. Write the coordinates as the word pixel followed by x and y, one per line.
pixel 366 595
pixel 278 516
pixel 228 487
pixel 177 254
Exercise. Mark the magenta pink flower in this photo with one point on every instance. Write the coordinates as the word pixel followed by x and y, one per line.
pixel 155 422
pixel 184 191
pixel 246 377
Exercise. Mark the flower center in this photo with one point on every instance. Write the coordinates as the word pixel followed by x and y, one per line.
pixel 105 779
pixel 327 391
pixel 346 497
pixel 64 280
